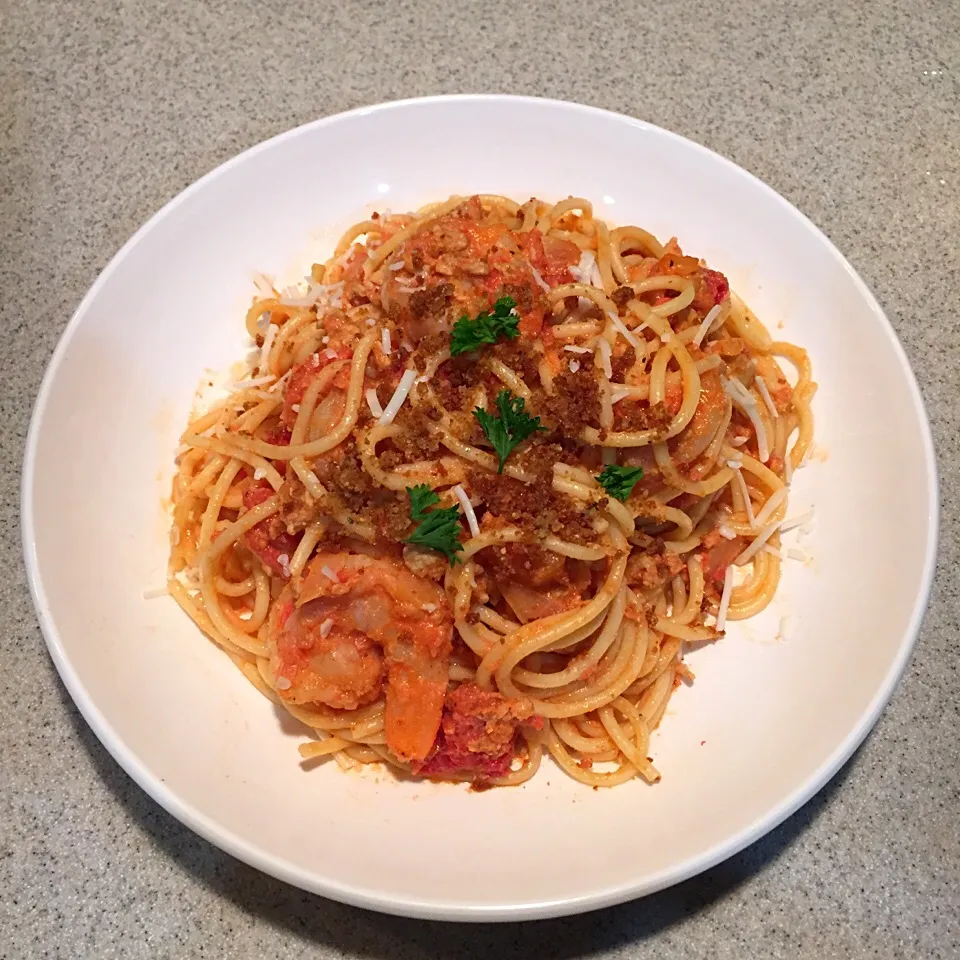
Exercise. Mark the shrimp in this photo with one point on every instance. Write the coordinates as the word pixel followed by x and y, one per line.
pixel 357 626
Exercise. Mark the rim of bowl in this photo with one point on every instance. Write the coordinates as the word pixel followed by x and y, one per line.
pixel 452 910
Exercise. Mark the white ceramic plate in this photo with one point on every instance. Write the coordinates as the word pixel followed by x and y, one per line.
pixel 768 720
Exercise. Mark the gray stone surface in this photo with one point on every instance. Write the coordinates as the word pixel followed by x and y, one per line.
pixel 110 107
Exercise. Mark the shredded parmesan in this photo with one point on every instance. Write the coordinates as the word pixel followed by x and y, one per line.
pixel 726 532
pixel 538 278
pixel 665 336
pixel 386 342
pixel 586 271
pixel 794 553
pixel 396 265
pixel 799 521
pixel 399 395
pixel 573 348
pixel 295 407
pixel 738 441
pixel 765 394
pixel 329 574
pixel 574 366
pixel 326 627
pixel 725 599
pixel 264 285
pixel 772 503
pixel 617 395
pixel 373 402
pixel 155 592
pixel 284 561
pixel 251 383
pixel 428 607
pixel 748 505
pixel 259 473
pixel 621 328
pixel 330 353
pixel 704 327
pixel 735 464
pixel 603 348
pixel 284 683
pixel 468 510
pixel 739 394
pixel 755 546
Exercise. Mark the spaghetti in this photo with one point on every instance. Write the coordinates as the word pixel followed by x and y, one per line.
pixel 487 479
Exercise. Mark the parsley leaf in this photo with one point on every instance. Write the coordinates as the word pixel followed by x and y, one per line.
pixel 438 529
pixel 486 328
pixel 511 428
pixel 619 481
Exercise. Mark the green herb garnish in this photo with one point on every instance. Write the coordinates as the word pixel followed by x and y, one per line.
pixel 470 334
pixel 619 481
pixel 438 529
pixel 511 428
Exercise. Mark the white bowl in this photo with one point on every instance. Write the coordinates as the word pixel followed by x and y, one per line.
pixel 767 721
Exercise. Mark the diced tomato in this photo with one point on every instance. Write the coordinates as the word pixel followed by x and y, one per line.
pixel 551 257
pixel 719 557
pixel 268 540
pixel 301 377
pixel 478 734
pixel 280 437
pixel 712 288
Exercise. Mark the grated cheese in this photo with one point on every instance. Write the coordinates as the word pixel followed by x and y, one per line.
pixel 794 553
pixel 283 683
pixel 587 271
pixel 399 395
pixel 326 627
pixel 726 532
pixel 386 342
pixel 619 395
pixel 259 473
pixel 738 441
pixel 748 504
pixel 573 348
pixel 330 354
pixel 665 336
pixel 264 285
pixel 396 265
pixel 739 394
pixel 603 348
pixel 155 592
pixel 799 521
pixel 772 503
pixel 755 546
pixel 428 607
pixel 468 510
pixel 725 599
pixel 704 327
pixel 574 366
pixel 329 574
pixel 251 383
pixel 621 328
pixel 765 394
pixel 373 402
pixel 538 278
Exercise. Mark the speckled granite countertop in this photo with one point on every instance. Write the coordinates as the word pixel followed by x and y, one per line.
pixel 109 109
